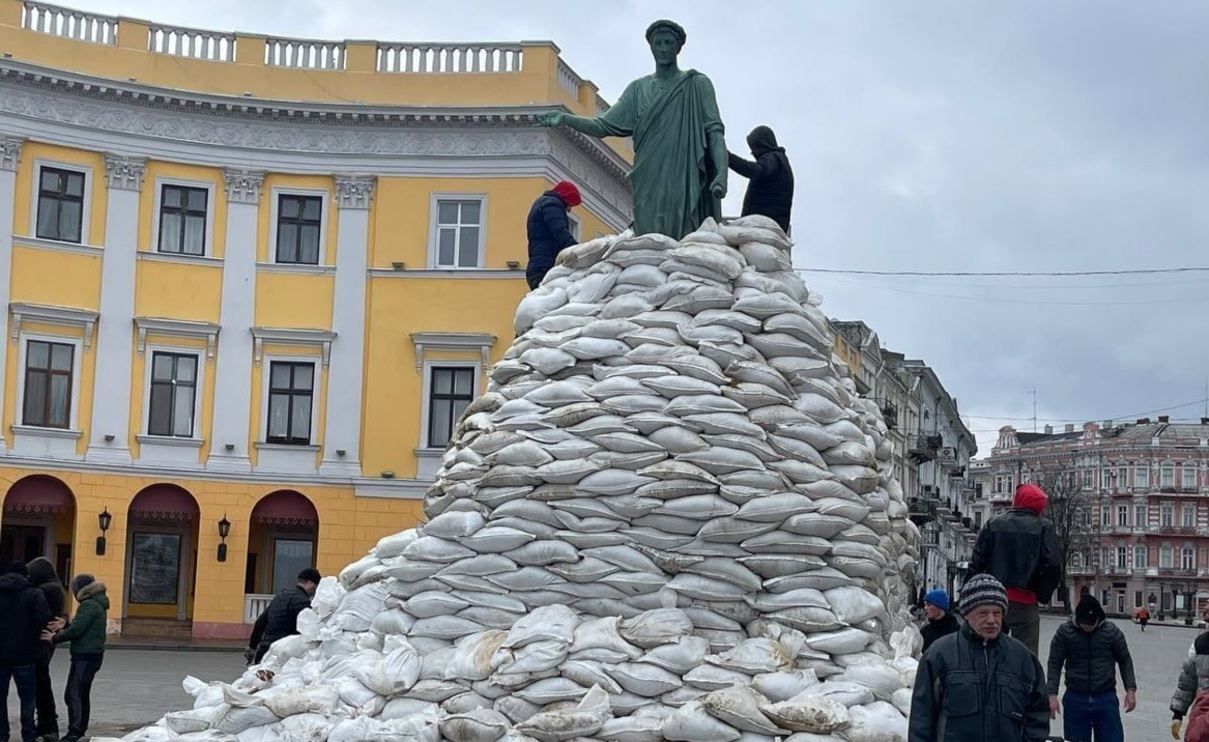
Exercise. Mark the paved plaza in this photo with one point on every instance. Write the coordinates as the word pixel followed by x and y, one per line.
pixel 137 687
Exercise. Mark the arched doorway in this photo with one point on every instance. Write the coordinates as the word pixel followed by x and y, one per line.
pixel 161 561
pixel 283 539
pixel 39 520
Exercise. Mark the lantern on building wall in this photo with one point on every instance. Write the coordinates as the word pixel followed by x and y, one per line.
pixel 224 530
pixel 104 520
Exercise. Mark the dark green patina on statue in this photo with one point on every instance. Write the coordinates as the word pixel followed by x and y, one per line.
pixel 680 162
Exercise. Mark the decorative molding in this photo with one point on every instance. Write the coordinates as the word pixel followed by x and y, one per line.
pixel 424 341
pixel 177 328
pixel 85 319
pixel 39 432
pixel 453 273
pixel 289 336
pixel 354 191
pixel 37 243
pixel 304 269
pixel 165 440
pixel 10 153
pixel 243 186
pixel 205 261
pixel 125 173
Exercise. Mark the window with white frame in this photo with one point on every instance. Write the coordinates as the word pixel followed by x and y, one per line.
pixel 458 233
pixel 1122 515
pixel 1087 479
pixel 1141 476
pixel 1122 554
pixel 1188 476
pixel 172 400
pixel 1165 557
pixel 450 392
pixel 1166 514
pixel 1139 514
pixel 291 398
pixel 1076 560
pixel 1187 558
pixel 1105 478
pixel 1167 476
pixel 1105 516
pixel 1139 557
pixel 182 219
pixel 1122 478
pixel 299 228
pixel 573 225
pixel 61 195
pixel 1188 516
pixel 49 368
pixel 1086 515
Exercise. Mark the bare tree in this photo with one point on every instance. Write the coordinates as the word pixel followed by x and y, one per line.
pixel 1068 509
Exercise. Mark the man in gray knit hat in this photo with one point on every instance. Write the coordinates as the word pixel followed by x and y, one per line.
pixel 979 684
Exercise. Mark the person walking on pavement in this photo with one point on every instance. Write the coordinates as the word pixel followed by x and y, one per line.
pixel 549 229
pixel 23 616
pixel 940 622
pixel 1020 549
pixel 1143 617
pixel 770 192
pixel 1191 697
pixel 1091 648
pixel 43 576
pixel 86 632
pixel 979 685
pixel 280 619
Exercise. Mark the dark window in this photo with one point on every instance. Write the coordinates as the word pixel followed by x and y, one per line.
pixel 60 204
pixel 451 391
pixel 291 387
pixel 298 221
pixel 183 220
pixel 173 392
pixel 48 384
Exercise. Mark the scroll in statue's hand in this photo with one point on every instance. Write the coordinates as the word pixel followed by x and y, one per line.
pixel 553 118
pixel 718 187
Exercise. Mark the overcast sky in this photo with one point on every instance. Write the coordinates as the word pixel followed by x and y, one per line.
pixel 926 136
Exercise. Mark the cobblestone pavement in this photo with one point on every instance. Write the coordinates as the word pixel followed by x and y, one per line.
pixel 137 687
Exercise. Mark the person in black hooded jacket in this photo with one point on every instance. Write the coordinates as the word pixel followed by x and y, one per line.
pixel 23 615
pixel 770 192
pixel 280 619
pixel 1091 648
pixel 44 577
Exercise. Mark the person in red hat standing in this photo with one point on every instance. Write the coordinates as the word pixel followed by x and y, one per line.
pixel 549 229
pixel 1020 549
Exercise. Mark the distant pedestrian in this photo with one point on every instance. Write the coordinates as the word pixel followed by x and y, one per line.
pixel 280 619
pixel 23 616
pixel 1090 648
pixel 770 192
pixel 86 632
pixel 1191 697
pixel 978 685
pixel 1143 617
pixel 1020 549
pixel 940 622
pixel 549 229
pixel 43 575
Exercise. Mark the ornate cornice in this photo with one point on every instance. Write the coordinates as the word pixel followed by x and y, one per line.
pixel 244 186
pixel 354 191
pixel 10 153
pixel 125 173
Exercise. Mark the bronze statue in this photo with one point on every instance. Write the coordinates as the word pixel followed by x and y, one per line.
pixel 680 160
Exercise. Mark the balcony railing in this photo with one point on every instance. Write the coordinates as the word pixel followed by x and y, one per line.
pixel 307 54
pixel 68 23
pixel 254 605
pixel 193 43
pixel 437 58
pixel 923 447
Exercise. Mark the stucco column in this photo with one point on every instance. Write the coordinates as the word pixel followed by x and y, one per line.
pixel 233 374
pixel 10 158
pixel 109 430
pixel 342 433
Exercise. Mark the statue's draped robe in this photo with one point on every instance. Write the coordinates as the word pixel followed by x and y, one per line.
pixel 672 170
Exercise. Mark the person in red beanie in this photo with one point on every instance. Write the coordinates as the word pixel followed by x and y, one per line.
pixel 549 229
pixel 1020 549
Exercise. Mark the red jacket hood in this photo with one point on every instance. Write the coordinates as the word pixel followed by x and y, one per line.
pixel 1030 496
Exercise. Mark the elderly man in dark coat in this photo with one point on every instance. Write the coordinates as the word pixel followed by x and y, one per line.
pixel 770 192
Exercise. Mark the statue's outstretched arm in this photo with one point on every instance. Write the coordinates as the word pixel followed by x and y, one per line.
pixel 591 126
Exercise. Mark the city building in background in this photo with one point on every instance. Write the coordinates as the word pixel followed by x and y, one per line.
pixel 249 285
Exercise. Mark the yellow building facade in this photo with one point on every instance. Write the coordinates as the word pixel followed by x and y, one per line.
pixel 250 284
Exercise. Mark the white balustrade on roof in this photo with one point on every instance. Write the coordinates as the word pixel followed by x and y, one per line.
pixel 310 54
pixel 69 23
pixel 423 57
pixel 213 46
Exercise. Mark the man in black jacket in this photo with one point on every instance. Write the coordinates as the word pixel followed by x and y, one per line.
pixel 43 576
pixel 770 192
pixel 280 619
pixel 1091 648
pixel 1020 549
pixel 549 229
pixel 23 615
pixel 978 685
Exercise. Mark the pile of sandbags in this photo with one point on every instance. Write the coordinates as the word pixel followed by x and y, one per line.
pixel 670 517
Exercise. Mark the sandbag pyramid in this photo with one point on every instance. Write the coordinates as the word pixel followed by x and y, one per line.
pixel 671 517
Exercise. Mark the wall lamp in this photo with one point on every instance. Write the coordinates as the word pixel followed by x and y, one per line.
pixel 104 520
pixel 224 530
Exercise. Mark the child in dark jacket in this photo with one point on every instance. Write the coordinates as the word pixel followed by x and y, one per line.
pixel 86 632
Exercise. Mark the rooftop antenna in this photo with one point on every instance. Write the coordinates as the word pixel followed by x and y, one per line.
pixel 1034 393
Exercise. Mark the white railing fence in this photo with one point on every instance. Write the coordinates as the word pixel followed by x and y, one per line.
pixel 433 58
pixel 254 605
pixel 189 42
pixel 568 80
pixel 68 23
pixel 305 54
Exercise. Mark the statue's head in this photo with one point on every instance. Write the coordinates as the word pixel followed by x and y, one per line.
pixel 666 39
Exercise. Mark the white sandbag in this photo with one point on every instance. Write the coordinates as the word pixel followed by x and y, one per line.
pixel 317 699
pixel 876 722
pixel 565 724
pixel 882 678
pixel 692 723
pixel 434 603
pixel 643 679
pixel 655 627
pixel 853 604
pixel 401 708
pixel 552 690
pixel 548 623
pixel 234 720
pixel 739 706
pixel 601 633
pixel 479 725
pixel 680 657
pixel 901 700
pixel 808 713
pixel 711 677
pixel 192 720
pixel 328 596
pixel 631 729
pixel 754 656
pixel 590 673
pixel 535 305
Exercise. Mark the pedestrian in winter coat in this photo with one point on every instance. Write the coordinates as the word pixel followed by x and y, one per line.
pixel 280 619
pixel 1192 690
pixel 770 192
pixel 43 575
pixel 1020 549
pixel 23 615
pixel 979 685
pixel 86 632
pixel 1091 649
pixel 940 622
pixel 549 229
pixel 1143 617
